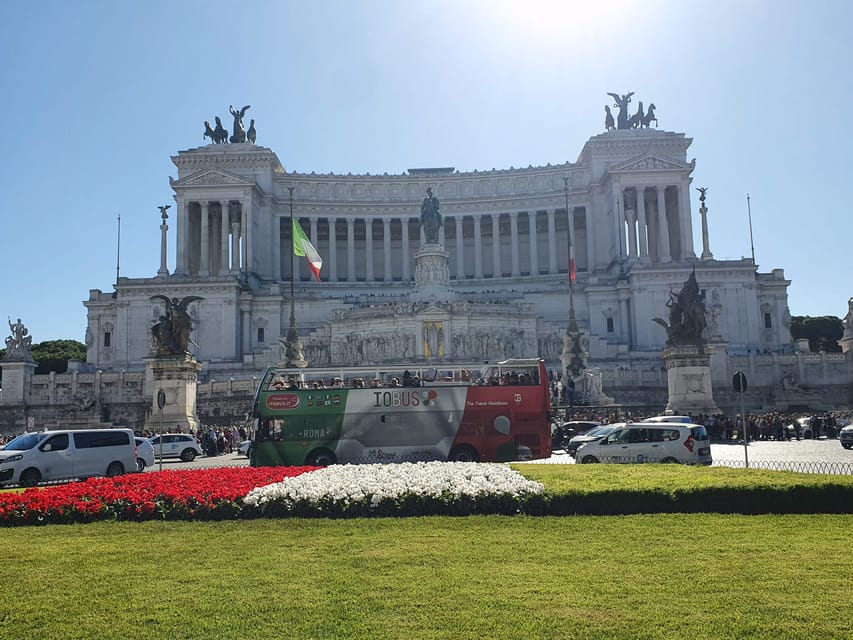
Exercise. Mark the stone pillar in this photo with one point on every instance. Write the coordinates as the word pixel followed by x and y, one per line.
pixel 663 226
pixel 16 380
pixel 552 243
pixel 235 246
pixel 177 377
pixel 513 230
pixel 350 249
pixel 386 248
pixel 478 248
pixel 163 270
pixel 181 243
pixel 590 239
pixel 630 220
pixel 686 220
pixel 406 250
pixel 688 370
pixel 368 249
pixel 244 238
pixel 223 245
pixel 497 269
pixel 333 249
pixel 442 240
pixel 706 249
pixel 460 248
pixel 619 217
pixel 643 227
pixel 204 267
pixel 534 243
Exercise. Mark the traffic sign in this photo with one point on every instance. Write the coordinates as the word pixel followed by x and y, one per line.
pixel 739 382
pixel 161 399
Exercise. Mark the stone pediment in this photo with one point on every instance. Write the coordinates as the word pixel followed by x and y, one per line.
pixel 649 163
pixel 212 177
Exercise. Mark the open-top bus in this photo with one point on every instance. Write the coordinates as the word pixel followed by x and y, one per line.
pixel 323 417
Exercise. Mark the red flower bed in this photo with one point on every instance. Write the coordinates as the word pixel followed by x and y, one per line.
pixel 198 494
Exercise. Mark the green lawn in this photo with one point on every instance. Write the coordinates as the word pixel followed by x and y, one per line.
pixel 631 577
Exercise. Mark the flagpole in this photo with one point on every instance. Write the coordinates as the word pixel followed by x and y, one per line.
pixel 572 356
pixel 293 348
pixel 118 250
pixel 751 244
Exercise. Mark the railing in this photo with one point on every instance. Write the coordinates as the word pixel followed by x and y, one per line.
pixel 797 466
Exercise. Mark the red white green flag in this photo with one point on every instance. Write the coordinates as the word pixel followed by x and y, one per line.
pixel 302 247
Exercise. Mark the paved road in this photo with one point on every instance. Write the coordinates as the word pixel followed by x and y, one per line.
pixel 803 451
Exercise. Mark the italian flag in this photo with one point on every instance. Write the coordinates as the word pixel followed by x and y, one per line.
pixel 302 247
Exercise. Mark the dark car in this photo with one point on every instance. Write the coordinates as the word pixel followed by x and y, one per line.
pixel 846 436
pixel 593 435
pixel 564 432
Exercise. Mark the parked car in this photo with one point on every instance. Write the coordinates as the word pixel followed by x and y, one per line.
pixel 593 435
pixel 650 442
pixel 679 419
pixel 176 445
pixel 245 448
pixel 32 458
pixel 144 454
pixel 846 436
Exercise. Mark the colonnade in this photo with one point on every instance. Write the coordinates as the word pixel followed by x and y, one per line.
pixel 479 245
pixel 210 238
pixel 654 223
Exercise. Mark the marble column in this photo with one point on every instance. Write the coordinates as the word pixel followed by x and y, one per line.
pixel 478 248
pixel 368 249
pixel 552 242
pixel 350 249
pixel 333 249
pixel 407 257
pixel 497 269
pixel 685 220
pixel 235 247
pixel 513 231
pixel 663 226
pixel 204 267
pixel 244 237
pixel 182 240
pixel 590 239
pixel 460 248
pixel 386 247
pixel 631 221
pixel 534 243
pixel 642 226
pixel 224 223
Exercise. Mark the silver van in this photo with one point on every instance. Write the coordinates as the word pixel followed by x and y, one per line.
pixel 650 442
pixel 32 458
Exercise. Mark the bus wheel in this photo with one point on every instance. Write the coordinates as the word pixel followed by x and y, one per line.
pixel 320 458
pixel 589 460
pixel 463 453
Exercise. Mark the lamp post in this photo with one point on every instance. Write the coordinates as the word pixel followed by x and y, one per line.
pixel 573 357
pixel 293 347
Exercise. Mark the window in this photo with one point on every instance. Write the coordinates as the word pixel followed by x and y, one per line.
pixel 260 334
pixel 768 321
pixel 107 338
pixel 59 442
pixel 610 328
pixel 91 439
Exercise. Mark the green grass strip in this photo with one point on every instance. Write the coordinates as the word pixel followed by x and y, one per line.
pixel 631 577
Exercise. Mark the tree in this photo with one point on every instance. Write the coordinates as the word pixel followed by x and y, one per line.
pixel 823 332
pixel 53 355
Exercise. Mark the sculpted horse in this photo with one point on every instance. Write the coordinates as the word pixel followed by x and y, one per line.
pixel 208 132
pixel 220 133
pixel 636 120
pixel 650 117
pixel 609 124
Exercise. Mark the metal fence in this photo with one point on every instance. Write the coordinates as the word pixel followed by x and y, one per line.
pixel 798 466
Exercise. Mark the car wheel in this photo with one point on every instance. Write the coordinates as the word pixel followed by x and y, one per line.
pixel 320 458
pixel 140 465
pixel 589 460
pixel 29 477
pixel 463 453
pixel 847 445
pixel 115 469
pixel 188 455
pixel 669 461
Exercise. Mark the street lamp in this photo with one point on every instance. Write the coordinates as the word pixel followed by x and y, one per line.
pixel 573 356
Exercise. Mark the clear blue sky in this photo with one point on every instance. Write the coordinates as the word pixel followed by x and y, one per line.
pixel 96 97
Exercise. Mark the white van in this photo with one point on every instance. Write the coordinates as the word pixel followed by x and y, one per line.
pixel 65 455
pixel 678 419
pixel 650 442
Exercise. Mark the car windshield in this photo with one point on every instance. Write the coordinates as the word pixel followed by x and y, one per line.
pixel 599 432
pixel 23 443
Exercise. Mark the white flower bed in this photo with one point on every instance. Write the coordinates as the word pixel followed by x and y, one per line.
pixel 398 489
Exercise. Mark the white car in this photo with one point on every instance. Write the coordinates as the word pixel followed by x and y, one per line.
pixel 176 445
pixel 245 448
pixel 650 442
pixel 144 454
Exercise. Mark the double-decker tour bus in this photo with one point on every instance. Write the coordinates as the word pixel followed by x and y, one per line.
pixel 325 416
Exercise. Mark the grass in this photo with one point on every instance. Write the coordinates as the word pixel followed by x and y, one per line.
pixel 629 577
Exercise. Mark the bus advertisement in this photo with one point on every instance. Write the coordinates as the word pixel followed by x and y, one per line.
pixel 500 415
